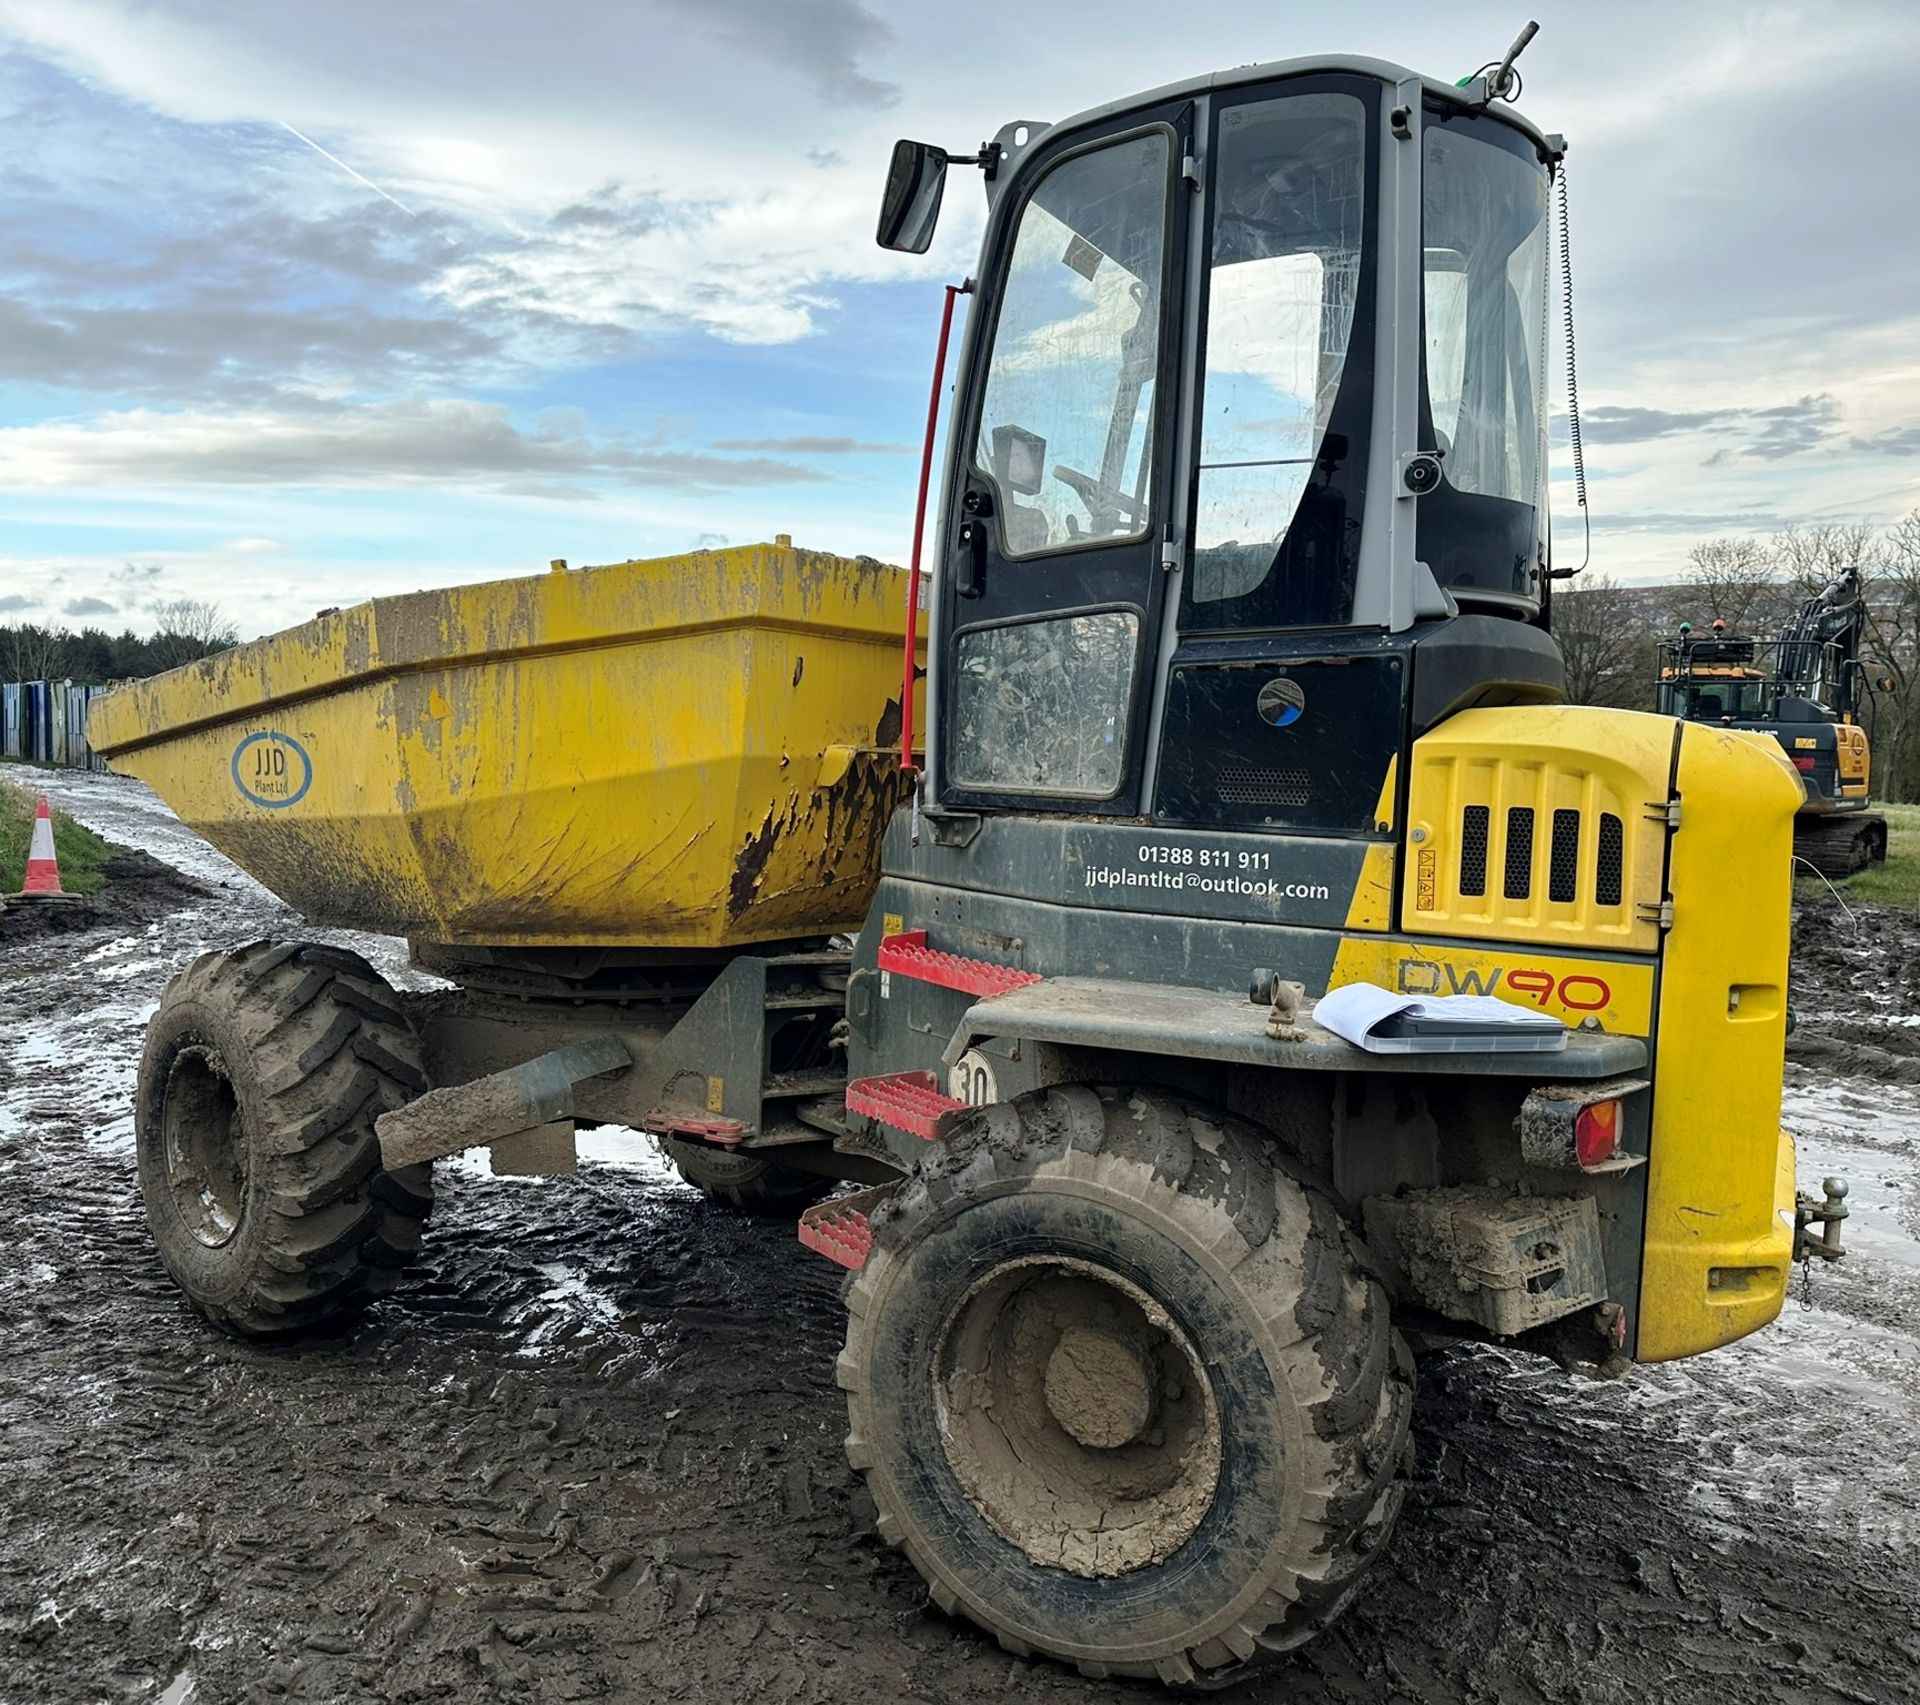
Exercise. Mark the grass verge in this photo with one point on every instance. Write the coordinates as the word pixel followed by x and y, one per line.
pixel 82 853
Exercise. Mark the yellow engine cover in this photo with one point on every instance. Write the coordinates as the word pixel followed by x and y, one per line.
pixel 1720 1185
pixel 1543 824
pixel 1557 851
pixel 689 752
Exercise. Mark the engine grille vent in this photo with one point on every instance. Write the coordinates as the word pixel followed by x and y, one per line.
pixel 1475 826
pixel 1610 866
pixel 1519 883
pixel 1563 865
pixel 1535 843
pixel 1563 862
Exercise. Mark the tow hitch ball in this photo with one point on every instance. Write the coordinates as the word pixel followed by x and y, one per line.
pixel 1829 1215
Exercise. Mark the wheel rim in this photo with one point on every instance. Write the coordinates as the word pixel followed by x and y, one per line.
pixel 205 1147
pixel 1076 1417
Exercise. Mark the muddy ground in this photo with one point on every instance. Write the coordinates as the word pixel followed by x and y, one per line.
pixel 592 1449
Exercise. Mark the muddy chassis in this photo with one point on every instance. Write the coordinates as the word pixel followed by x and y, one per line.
pixel 1112 1322
pixel 292 1077
pixel 291 1102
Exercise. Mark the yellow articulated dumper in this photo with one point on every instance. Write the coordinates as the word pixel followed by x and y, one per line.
pixel 1246 751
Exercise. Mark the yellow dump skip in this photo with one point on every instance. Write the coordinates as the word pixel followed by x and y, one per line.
pixel 687 752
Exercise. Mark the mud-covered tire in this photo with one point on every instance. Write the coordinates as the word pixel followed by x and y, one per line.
pixel 1255 1278
pixel 749 1182
pixel 263 1072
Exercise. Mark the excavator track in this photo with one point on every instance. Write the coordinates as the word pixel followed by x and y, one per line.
pixel 1841 846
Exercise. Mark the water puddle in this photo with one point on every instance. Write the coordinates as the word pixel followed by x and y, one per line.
pixel 1881 1166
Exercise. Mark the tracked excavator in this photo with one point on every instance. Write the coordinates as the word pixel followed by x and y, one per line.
pixel 1812 692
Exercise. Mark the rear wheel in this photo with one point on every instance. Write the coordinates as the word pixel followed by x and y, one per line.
pixel 1124 1392
pixel 747 1181
pixel 263 1073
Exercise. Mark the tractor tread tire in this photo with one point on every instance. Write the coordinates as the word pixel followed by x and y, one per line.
pixel 316 1047
pixel 1319 1313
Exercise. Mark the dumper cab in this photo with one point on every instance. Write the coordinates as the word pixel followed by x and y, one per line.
pixel 1251 387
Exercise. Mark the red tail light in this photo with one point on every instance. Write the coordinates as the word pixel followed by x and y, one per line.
pixel 1803 763
pixel 1596 1133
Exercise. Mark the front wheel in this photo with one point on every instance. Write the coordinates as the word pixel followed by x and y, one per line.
pixel 263 1073
pixel 1125 1392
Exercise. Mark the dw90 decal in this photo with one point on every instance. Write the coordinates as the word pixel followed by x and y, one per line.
pixel 1578 991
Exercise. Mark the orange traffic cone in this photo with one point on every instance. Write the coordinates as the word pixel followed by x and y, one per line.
pixel 43 868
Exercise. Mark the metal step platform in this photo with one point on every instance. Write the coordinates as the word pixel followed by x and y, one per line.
pixel 908 955
pixel 907 1101
pixel 840 1229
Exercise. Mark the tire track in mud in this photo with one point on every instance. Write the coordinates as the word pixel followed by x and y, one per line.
pixel 591 1450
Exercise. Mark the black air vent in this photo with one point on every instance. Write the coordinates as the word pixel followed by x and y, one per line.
pixel 1519 852
pixel 1475 824
pixel 1609 872
pixel 1242 785
pixel 1563 865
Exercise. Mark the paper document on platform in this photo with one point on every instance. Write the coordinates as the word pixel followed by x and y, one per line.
pixel 1383 1022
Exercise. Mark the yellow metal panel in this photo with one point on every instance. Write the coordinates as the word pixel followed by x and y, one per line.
pixel 1852 759
pixel 1572 987
pixel 1540 759
pixel 1372 905
pixel 627 755
pixel 1721 1170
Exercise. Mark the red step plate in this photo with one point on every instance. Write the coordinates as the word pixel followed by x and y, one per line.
pixel 907 1101
pixel 908 955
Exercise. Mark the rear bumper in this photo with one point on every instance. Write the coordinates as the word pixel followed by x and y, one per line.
pixel 1715 1289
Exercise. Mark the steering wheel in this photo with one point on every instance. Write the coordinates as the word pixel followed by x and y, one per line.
pixel 1097 496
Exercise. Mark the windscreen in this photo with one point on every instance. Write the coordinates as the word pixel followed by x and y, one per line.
pixel 1484 217
pixel 1282 425
pixel 1067 425
pixel 1730 698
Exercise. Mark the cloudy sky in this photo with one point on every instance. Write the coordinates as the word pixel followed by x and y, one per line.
pixel 300 303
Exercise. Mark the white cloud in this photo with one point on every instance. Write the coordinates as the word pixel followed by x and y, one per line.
pixel 592 177
pixel 740 230
pixel 385 444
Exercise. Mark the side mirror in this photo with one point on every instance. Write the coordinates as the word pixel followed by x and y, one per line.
pixel 910 204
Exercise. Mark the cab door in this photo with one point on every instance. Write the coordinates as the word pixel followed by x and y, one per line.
pixel 1057 519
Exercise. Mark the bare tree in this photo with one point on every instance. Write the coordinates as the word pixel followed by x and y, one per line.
pixel 34 653
pixel 1735 581
pixel 1606 647
pixel 187 629
pixel 1890 653
pixel 1810 559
